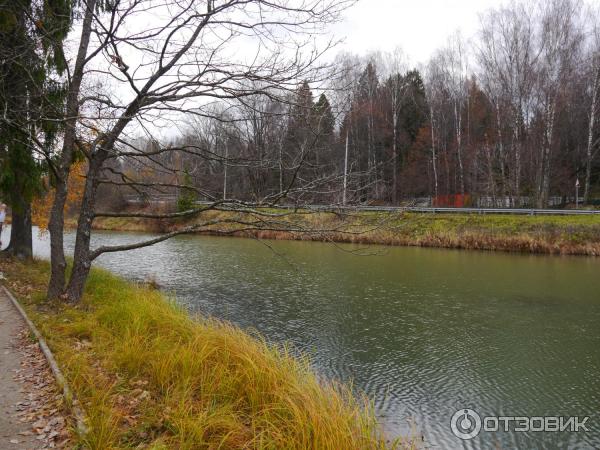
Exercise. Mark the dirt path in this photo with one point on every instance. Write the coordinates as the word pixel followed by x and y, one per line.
pixel 31 407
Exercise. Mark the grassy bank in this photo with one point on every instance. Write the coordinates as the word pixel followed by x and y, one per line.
pixel 566 235
pixel 150 376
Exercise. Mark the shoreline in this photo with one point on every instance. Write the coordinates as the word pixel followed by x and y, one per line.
pixel 550 235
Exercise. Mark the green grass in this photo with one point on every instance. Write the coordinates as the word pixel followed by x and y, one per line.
pixel 150 376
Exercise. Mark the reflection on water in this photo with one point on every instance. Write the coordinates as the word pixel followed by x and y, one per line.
pixel 423 332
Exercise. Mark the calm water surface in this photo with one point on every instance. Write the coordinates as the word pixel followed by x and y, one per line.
pixel 422 331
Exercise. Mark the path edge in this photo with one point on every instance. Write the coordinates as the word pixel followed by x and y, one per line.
pixel 72 402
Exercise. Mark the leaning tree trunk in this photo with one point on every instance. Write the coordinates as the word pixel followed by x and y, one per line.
pixel 82 255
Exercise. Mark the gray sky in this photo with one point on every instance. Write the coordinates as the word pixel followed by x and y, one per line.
pixel 419 27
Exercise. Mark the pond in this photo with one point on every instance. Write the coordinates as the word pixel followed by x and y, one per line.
pixel 423 332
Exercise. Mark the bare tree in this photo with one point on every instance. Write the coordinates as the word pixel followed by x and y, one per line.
pixel 508 59
pixel 395 66
pixel 592 77
pixel 560 42
pixel 455 66
pixel 140 79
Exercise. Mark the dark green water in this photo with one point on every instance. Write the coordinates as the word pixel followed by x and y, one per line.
pixel 423 332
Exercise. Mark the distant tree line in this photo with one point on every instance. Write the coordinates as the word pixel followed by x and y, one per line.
pixel 509 116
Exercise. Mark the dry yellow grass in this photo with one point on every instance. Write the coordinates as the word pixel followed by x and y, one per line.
pixel 565 235
pixel 150 376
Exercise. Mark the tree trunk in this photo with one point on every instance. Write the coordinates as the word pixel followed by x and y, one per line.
pixel 546 156
pixel 344 198
pixel 590 143
pixel 280 167
pixel 500 153
pixel 461 175
pixel 21 230
pixel 517 174
pixel 491 190
pixel 82 260
pixel 82 255
pixel 225 172
pixel 58 263
pixel 56 223
pixel 395 158
pixel 433 157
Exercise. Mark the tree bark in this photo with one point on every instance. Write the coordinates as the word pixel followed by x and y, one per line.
pixel 82 260
pixel 56 223
pixel 21 230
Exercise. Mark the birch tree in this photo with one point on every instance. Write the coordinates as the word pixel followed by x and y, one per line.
pixel 508 59
pixel 560 42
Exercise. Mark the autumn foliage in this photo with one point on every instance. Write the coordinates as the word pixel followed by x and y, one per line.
pixel 41 206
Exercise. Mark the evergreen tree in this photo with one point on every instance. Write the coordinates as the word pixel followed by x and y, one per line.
pixel 31 50
pixel 186 200
pixel 300 134
pixel 414 106
pixel 301 117
pixel 325 128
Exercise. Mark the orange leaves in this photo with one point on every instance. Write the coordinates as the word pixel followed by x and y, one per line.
pixel 42 206
pixel 76 185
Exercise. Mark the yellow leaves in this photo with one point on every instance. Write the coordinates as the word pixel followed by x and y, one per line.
pixel 42 206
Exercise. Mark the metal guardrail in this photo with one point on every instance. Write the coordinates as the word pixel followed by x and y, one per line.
pixel 520 211
pixel 429 209
pixel 444 210
pixel 438 210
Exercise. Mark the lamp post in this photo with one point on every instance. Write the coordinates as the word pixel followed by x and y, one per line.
pixel 577 194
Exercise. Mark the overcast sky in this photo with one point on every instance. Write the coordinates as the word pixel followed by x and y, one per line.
pixel 419 27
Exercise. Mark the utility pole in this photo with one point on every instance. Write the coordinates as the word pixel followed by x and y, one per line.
pixel 577 194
